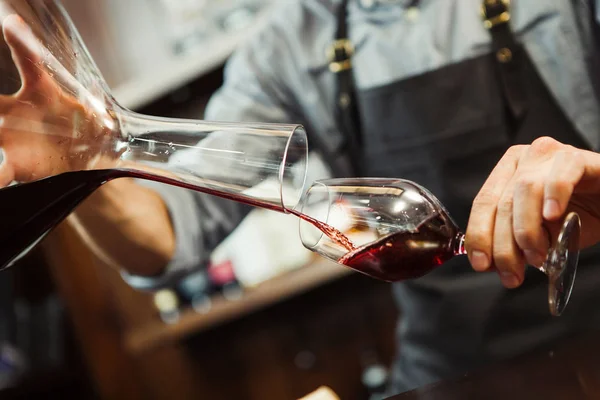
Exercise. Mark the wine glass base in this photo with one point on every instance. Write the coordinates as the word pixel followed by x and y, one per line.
pixel 562 264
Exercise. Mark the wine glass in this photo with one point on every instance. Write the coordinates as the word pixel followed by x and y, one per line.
pixel 394 229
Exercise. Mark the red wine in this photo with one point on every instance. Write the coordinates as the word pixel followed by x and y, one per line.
pixel 332 233
pixel 31 210
pixel 406 255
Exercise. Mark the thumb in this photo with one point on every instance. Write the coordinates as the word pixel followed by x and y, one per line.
pixel 26 49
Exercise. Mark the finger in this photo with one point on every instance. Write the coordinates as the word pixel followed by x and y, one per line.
pixel 480 229
pixel 567 170
pixel 506 253
pixel 527 218
pixel 26 49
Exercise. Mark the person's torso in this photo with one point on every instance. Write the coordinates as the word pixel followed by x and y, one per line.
pixel 447 134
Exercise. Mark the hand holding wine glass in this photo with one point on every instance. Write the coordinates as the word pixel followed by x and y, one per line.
pixel 517 215
pixel 394 229
pixel 44 128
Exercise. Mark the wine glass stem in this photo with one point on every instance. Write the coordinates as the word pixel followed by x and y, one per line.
pixel 459 249
pixel 548 267
pixel 459 244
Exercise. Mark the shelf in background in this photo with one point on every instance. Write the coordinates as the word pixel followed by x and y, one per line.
pixel 270 292
pixel 167 76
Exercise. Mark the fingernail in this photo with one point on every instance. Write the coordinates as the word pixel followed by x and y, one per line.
pixel 479 260
pixel 509 280
pixel 534 258
pixel 551 208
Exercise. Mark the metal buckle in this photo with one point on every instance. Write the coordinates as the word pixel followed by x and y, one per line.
pixel 503 18
pixel 345 47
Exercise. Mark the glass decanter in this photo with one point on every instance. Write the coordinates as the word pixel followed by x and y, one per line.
pixel 63 135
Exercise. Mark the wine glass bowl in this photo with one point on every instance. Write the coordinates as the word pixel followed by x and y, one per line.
pixel 382 220
pixel 394 229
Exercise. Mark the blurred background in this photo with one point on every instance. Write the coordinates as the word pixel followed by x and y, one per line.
pixel 267 320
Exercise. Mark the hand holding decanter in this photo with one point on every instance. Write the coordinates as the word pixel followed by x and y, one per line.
pixel 44 128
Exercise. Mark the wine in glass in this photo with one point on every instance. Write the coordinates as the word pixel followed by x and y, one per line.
pixel 394 229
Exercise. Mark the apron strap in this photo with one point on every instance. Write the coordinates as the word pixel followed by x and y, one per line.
pixel 509 58
pixel 595 29
pixel 508 55
pixel 346 108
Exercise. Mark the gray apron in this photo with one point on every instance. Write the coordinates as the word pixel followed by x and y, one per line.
pixel 446 129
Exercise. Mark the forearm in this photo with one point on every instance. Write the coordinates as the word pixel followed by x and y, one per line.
pixel 128 226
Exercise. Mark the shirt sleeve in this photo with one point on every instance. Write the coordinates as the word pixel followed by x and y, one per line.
pixel 252 92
